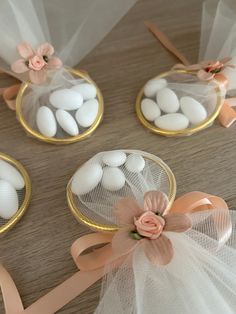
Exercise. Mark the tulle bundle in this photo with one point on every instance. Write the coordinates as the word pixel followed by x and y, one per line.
pixel 189 97
pixel 155 253
pixel 40 43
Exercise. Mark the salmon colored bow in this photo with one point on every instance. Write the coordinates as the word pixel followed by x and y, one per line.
pixel 36 62
pixel 92 265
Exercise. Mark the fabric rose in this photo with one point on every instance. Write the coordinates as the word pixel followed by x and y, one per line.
pixel 147 227
pixel 36 62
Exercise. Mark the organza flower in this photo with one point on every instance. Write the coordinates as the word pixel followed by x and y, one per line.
pixel 36 62
pixel 146 227
pixel 208 69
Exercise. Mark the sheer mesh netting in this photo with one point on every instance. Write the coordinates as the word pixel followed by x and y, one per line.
pixel 201 278
pixel 98 204
pixel 218 34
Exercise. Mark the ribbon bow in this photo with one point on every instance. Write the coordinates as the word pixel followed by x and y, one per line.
pixel 92 265
pixel 205 70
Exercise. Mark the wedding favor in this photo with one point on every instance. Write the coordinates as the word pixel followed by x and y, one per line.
pixel 189 97
pixel 40 43
pixel 15 192
pixel 154 252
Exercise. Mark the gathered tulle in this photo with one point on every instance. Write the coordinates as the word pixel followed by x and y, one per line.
pixel 73 27
pixel 201 278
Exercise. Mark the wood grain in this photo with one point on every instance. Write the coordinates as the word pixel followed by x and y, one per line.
pixel 36 251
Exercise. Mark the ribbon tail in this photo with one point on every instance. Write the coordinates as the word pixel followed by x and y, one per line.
pixel 11 297
pixel 165 41
pixel 227 115
pixel 9 95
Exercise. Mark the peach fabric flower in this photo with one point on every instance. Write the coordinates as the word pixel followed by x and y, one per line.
pixel 147 227
pixel 206 70
pixel 36 62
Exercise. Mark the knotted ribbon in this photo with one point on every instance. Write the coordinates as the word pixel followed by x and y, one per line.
pixel 92 265
pixel 227 114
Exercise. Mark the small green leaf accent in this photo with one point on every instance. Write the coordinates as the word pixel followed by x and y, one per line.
pixel 217 70
pixel 135 235
pixel 27 63
pixel 45 58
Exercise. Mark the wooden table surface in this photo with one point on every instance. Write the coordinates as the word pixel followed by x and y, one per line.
pixel 36 251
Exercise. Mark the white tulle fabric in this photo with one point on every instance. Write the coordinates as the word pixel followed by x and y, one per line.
pixel 73 27
pixel 218 34
pixel 98 204
pixel 201 278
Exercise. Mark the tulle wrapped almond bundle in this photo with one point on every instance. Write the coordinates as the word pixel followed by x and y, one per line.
pixel 153 251
pixel 40 43
pixel 189 97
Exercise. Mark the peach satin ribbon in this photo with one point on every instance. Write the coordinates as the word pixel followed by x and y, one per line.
pixel 227 114
pixel 92 265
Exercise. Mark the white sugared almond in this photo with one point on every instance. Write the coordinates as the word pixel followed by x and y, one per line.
pixel 46 122
pixel 113 179
pixel 167 100
pixel 154 85
pixel 172 122
pixel 66 99
pixel 11 174
pixel 86 178
pixel 67 122
pixel 87 113
pixel 150 109
pixel 88 91
pixel 193 110
pixel 9 202
pixel 114 158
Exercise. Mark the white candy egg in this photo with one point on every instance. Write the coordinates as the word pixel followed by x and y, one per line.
pixel 9 202
pixel 150 109
pixel 154 85
pixel 86 178
pixel 135 163
pixel 167 100
pixel 67 122
pixel 86 115
pixel 193 110
pixel 114 158
pixel 66 99
pixel 88 91
pixel 11 174
pixel 113 179
pixel 172 122
pixel 46 122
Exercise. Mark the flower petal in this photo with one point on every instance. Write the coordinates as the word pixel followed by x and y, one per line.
pixel 126 209
pixel 122 243
pixel 54 63
pixel 45 50
pixel 19 66
pixel 37 77
pixel 159 251
pixel 177 223
pixel 155 201
pixel 25 50
pixel 205 76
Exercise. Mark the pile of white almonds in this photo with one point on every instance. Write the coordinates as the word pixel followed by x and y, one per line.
pixel 106 172
pixel 72 108
pixel 162 106
pixel 11 183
